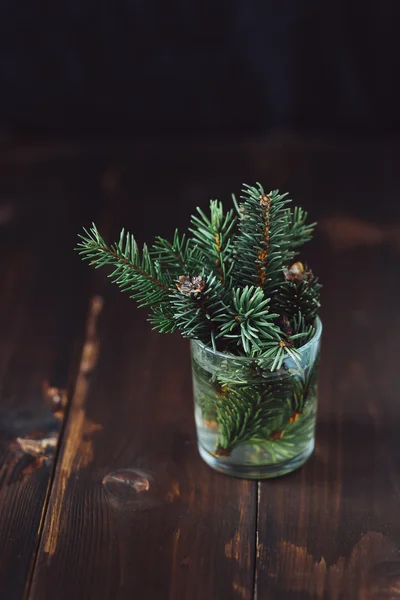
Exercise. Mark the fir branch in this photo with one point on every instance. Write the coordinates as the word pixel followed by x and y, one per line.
pixel 236 290
pixel 298 294
pixel 240 418
pixel 196 306
pixel 180 255
pixel 253 413
pixel 213 236
pixel 304 382
pixel 301 331
pixel 162 318
pixel 231 287
pixel 297 232
pixel 264 413
pixel 262 227
pixel 133 272
pixel 248 321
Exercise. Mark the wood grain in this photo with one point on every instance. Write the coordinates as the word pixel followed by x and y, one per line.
pixel 134 510
pixel 31 414
pixel 41 319
pixel 332 530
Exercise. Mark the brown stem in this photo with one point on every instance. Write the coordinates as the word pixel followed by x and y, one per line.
pixel 262 255
pixel 218 261
pixel 128 263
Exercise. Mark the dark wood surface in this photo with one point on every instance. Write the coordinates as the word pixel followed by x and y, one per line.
pixel 332 530
pixel 41 321
pixel 102 492
pixel 131 492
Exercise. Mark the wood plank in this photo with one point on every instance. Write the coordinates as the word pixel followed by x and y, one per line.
pixel 134 414
pixel 69 174
pixel 134 510
pixel 332 530
pixel 39 322
pixel 48 192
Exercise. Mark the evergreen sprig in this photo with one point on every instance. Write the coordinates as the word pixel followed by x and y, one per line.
pixel 240 418
pixel 196 307
pixel 133 271
pixel 258 413
pixel 229 282
pixel 297 232
pixel 180 255
pixel 298 294
pixel 263 226
pixel 213 237
pixel 249 321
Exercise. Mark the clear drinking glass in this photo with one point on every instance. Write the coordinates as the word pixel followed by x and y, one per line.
pixel 252 422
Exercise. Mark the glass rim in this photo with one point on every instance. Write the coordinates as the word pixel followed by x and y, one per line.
pixel 225 355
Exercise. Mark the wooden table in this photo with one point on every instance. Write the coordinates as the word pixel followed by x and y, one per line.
pixel 103 495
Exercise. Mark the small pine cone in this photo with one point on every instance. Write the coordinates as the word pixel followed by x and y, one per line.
pixel 297 273
pixel 188 286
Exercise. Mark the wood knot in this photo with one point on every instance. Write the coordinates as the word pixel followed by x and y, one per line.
pixel 38 446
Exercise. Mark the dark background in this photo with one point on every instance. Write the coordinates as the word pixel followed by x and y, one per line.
pixel 190 68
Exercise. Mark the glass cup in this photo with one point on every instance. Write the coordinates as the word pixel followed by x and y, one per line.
pixel 252 422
